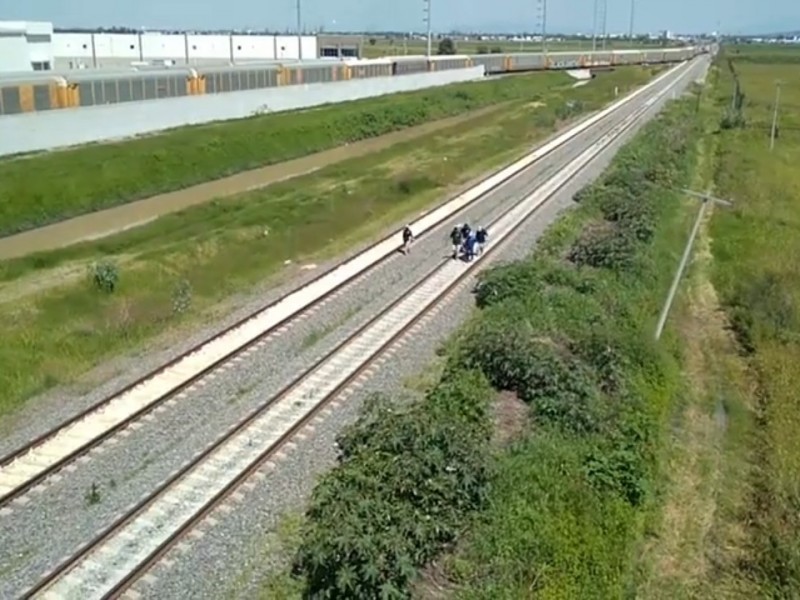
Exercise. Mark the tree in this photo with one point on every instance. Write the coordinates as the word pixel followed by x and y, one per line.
pixel 447 46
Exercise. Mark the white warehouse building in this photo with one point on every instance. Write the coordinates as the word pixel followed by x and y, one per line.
pixel 34 46
pixel 25 46
pixel 116 50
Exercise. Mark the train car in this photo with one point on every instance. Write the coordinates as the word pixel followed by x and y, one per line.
pixel 250 76
pixel 39 91
pixel 448 62
pixel 493 64
pixel 367 68
pixel 95 88
pixel 409 65
pixel 31 92
pixel 565 60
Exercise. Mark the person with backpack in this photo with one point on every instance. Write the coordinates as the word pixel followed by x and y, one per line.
pixel 408 237
pixel 456 238
pixel 481 236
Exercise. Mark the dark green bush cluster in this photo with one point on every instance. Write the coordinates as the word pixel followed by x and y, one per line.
pixel 627 196
pixel 406 482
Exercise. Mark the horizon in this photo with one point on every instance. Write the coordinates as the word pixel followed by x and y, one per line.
pixel 730 17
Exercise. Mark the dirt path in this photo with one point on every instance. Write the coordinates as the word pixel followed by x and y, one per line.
pixel 106 222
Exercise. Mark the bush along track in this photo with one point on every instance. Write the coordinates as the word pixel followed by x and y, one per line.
pixel 569 331
pixel 93 177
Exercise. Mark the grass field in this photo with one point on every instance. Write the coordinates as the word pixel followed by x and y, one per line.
pixel 56 324
pixel 383 46
pixel 756 251
pixel 102 175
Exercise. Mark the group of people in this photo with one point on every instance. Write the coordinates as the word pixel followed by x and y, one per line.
pixel 470 243
pixel 465 241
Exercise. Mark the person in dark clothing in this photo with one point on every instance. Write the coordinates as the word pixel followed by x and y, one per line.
pixel 408 237
pixel 456 238
pixel 481 236
pixel 465 231
pixel 469 246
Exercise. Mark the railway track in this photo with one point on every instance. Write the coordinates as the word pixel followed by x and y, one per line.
pixel 109 564
pixel 43 456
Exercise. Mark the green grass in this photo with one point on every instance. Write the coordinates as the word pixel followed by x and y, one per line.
pixel 564 511
pixel 756 256
pixel 103 175
pixel 56 326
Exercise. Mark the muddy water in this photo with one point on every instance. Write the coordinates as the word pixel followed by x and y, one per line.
pixel 134 214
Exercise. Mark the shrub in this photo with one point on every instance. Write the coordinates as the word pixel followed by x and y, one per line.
pixel 407 480
pixel 105 276
pixel 181 297
pixel 604 245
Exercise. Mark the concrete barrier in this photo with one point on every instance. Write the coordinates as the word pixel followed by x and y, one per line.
pixel 30 132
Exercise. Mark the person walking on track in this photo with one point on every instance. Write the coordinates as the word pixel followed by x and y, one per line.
pixel 456 238
pixel 408 237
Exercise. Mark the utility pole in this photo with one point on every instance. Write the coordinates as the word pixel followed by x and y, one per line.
pixel 428 21
pixel 775 116
pixel 605 23
pixel 544 26
pixel 630 25
pixel 594 28
pixel 705 199
pixel 299 33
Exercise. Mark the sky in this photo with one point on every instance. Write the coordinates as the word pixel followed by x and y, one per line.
pixel 569 16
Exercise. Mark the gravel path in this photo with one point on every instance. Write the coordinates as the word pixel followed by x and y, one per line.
pixel 155 448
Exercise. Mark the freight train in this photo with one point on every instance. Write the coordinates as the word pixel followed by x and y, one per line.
pixel 42 91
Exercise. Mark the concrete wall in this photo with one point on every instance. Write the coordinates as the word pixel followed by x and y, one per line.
pixel 30 132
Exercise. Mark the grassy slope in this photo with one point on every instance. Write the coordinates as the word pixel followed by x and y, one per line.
pixel 756 254
pixel 54 333
pixel 98 176
pixel 565 510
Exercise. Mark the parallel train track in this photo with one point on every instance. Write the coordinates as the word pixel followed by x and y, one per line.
pixel 32 463
pixel 109 564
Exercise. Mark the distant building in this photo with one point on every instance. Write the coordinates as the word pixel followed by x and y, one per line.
pixel 339 46
pixel 25 46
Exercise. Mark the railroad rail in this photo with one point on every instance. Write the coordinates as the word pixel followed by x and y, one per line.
pixel 31 464
pixel 109 564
